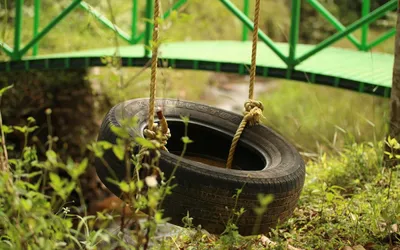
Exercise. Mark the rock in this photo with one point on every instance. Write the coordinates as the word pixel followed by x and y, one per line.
pixel 358 247
pixel 347 248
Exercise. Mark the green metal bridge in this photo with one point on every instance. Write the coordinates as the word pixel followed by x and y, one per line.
pixel 357 70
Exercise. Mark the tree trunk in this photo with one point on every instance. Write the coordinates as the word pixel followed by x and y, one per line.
pixel 394 129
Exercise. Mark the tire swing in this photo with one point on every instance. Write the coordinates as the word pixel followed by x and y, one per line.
pixel 205 186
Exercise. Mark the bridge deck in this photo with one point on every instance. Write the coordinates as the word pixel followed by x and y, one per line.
pixel 355 70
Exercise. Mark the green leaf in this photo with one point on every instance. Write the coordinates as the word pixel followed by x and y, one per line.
pixel 68 189
pixel 186 140
pixel 75 172
pixel 158 217
pixel 31 129
pixel 26 204
pixel 33 174
pixel 33 187
pixel 20 129
pixel 105 144
pixel 7 129
pixel 55 179
pixel 392 142
pixel 112 181
pixel 324 186
pixel 265 199
pixel 185 119
pixel 67 224
pixel 31 119
pixel 132 186
pixel 140 184
pixel 51 156
pixel 259 210
pixel 82 166
pixel 144 142
pixel 124 187
pixel 119 151
pixel 120 132
pixel 3 90
pixel 129 122
pixel 96 149
pixel 329 197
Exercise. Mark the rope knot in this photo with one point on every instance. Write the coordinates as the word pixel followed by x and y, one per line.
pixel 253 111
pixel 157 137
pixel 158 134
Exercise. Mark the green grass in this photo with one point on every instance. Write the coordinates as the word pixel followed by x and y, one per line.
pixel 347 200
pixel 318 118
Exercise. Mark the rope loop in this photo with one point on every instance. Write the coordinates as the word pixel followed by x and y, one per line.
pixel 252 114
pixel 253 111
pixel 157 137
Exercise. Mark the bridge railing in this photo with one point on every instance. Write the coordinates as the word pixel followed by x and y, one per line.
pixel 290 58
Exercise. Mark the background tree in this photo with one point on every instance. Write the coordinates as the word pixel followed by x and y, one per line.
pixel 394 129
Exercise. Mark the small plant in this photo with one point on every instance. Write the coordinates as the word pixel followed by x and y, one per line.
pixel 33 208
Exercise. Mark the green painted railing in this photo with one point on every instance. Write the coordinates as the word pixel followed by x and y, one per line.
pixel 290 57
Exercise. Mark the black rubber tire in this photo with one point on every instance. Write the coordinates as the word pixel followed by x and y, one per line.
pixel 275 167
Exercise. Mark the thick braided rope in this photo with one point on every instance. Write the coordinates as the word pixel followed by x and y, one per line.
pixel 252 114
pixel 154 59
pixel 157 134
pixel 253 109
pixel 254 50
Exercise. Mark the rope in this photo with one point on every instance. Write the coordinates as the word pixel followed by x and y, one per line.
pixel 158 134
pixel 254 50
pixel 253 109
pixel 154 59
pixel 253 112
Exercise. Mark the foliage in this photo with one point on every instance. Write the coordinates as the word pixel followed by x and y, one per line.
pixel 314 27
pixel 36 213
pixel 347 200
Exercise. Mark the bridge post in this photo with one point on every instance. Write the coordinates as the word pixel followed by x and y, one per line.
pixel 294 35
pixel 18 28
pixel 134 20
pixel 366 7
pixel 245 30
pixel 394 125
pixel 148 31
pixel 36 20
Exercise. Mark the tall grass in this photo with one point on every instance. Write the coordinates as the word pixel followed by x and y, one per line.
pixel 318 118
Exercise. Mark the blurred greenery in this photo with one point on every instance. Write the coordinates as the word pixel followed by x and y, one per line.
pixel 315 118
pixel 319 119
